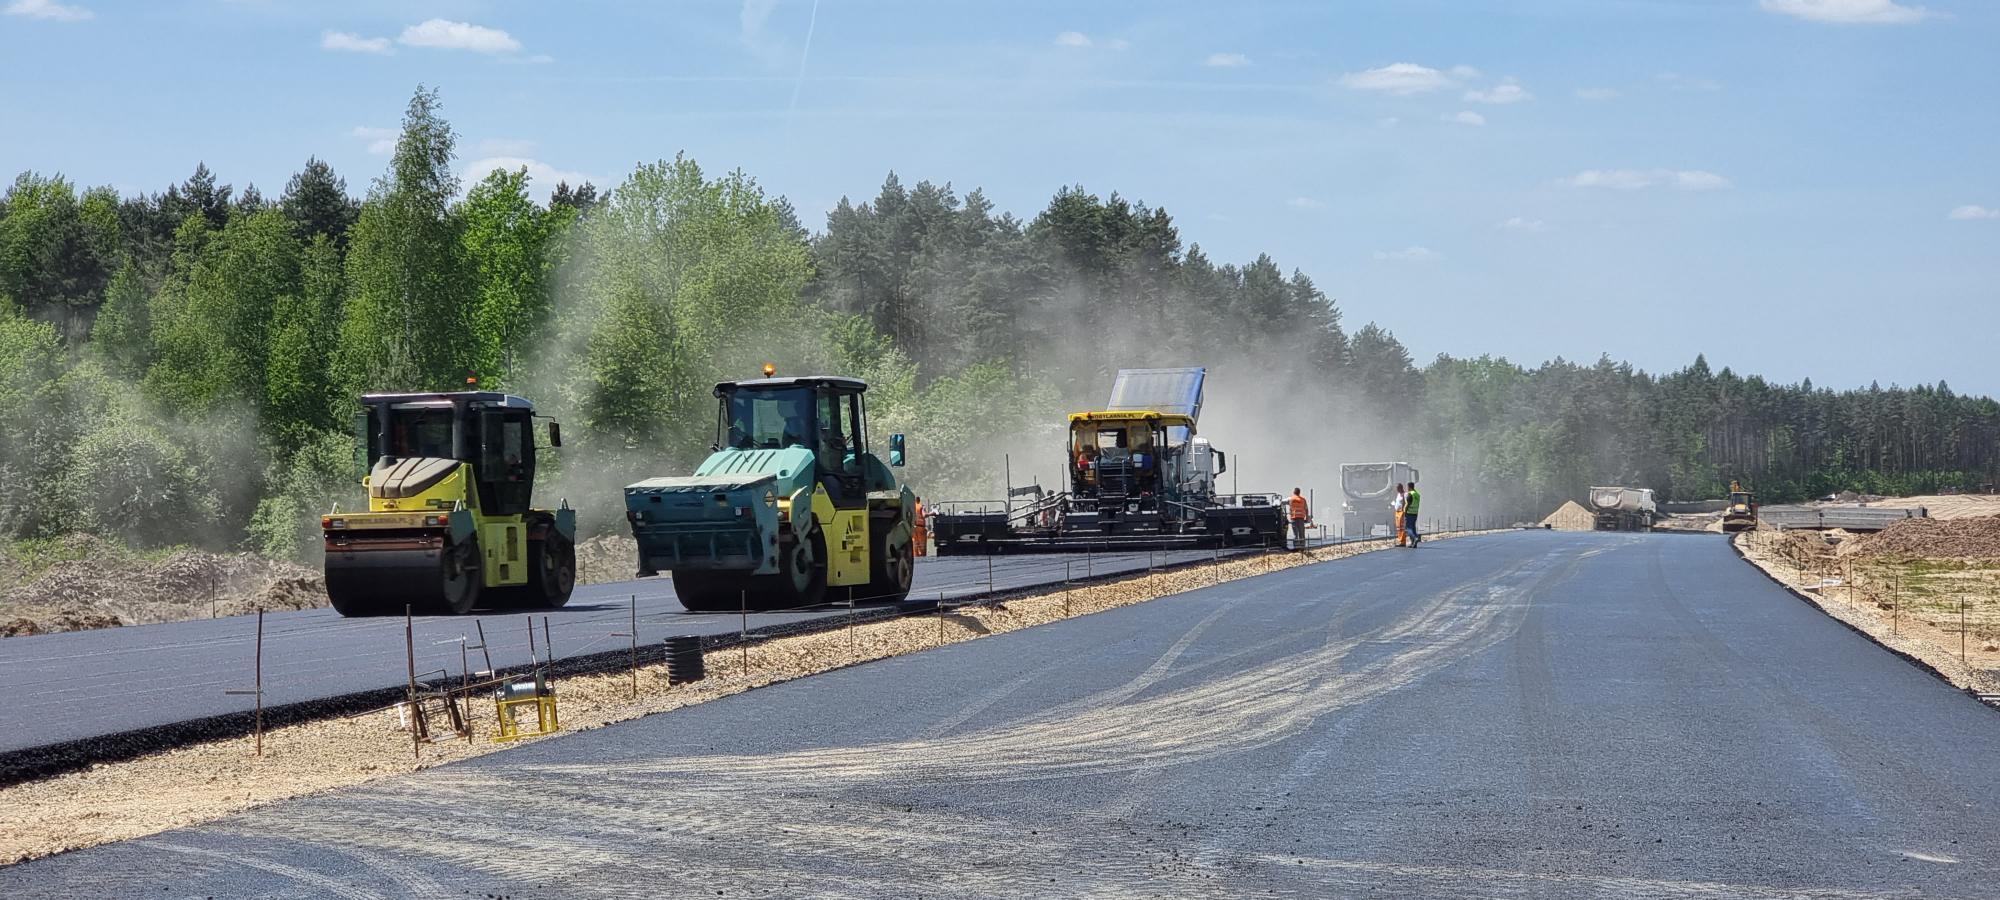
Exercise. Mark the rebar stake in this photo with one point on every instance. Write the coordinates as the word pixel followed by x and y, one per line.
pixel 410 648
pixel 260 680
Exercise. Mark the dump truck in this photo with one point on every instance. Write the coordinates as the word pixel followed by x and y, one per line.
pixel 1623 508
pixel 1367 508
pixel 1740 512
pixel 449 524
pixel 790 503
pixel 1138 478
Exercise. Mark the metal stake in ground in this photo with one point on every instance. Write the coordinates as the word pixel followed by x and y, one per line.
pixel 743 636
pixel 257 678
pixel 488 654
pixel 410 649
pixel 634 636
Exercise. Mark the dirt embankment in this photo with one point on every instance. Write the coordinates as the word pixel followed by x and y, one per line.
pixel 1960 538
pixel 80 582
pixel 606 558
pixel 1929 589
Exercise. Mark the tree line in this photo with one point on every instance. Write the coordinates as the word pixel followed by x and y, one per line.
pixel 183 364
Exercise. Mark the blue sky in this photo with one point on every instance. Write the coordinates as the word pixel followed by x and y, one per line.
pixel 1798 188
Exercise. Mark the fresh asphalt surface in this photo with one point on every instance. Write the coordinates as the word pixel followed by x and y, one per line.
pixel 1531 714
pixel 87 684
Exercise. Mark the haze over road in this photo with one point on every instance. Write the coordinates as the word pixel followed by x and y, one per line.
pixel 1532 714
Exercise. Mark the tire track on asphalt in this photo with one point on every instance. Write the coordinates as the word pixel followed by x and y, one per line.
pixel 791 809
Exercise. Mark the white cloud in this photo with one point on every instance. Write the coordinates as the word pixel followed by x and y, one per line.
pixel 1500 94
pixel 1304 203
pixel 1409 255
pixel 1522 223
pixel 542 177
pixel 1390 122
pixel 1462 72
pixel 1596 94
pixel 1640 179
pixel 49 10
pixel 380 140
pixel 1466 117
pixel 1226 60
pixel 1085 41
pixel 1401 79
pixel 1698 180
pixel 1969 213
pixel 350 42
pixel 442 34
pixel 1847 12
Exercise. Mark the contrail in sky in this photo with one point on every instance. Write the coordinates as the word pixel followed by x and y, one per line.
pixel 800 81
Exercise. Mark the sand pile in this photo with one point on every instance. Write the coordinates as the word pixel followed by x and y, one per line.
pixel 109 587
pixel 1953 539
pixel 1571 516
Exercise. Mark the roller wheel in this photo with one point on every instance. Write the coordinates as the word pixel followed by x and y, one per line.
pixel 551 570
pixel 460 579
pixel 894 569
pixel 801 578
pixel 711 592
pixel 348 600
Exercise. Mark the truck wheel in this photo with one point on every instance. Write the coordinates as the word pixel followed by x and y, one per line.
pixel 894 571
pixel 551 570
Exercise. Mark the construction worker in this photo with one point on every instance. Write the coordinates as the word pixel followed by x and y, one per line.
pixel 1397 506
pixel 1295 507
pixel 1410 515
pixel 920 531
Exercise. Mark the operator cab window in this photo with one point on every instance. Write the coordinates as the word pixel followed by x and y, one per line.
pixel 769 420
pixel 833 437
pixel 420 433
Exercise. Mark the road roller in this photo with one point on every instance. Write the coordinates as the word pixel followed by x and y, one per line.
pixel 792 503
pixel 449 525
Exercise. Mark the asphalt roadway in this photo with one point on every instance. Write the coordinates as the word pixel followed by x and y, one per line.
pixel 1531 714
pixel 87 684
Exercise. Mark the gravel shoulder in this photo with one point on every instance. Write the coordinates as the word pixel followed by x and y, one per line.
pixel 1910 604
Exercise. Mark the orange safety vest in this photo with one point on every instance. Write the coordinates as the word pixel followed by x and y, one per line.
pixel 1298 504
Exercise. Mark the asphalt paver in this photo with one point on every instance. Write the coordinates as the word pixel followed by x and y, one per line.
pixel 1521 715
